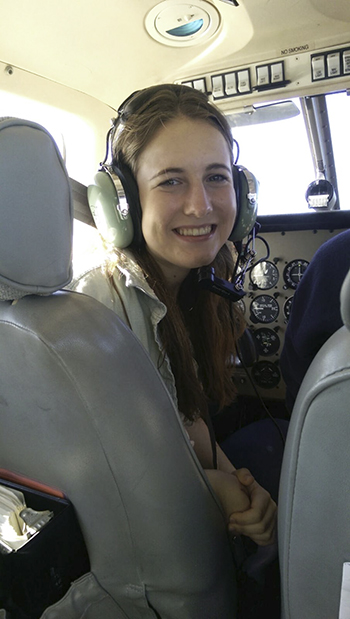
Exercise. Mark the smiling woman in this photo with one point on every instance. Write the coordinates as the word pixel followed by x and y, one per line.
pixel 187 199
pixel 173 150
pixel 169 194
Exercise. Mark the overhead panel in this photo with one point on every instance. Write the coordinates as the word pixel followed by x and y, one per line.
pixel 330 64
pixel 284 77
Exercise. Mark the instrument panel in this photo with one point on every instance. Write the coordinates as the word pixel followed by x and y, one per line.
pixel 270 287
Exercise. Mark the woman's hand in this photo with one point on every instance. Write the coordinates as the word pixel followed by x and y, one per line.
pixel 259 521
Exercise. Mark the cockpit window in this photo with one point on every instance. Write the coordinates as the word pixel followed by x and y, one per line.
pixel 88 250
pixel 278 154
pixel 73 136
pixel 338 106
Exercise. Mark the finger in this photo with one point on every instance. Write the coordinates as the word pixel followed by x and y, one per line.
pixel 261 532
pixel 244 476
pixel 258 516
pixel 261 505
pixel 265 539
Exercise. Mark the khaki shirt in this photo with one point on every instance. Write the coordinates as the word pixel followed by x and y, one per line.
pixel 144 310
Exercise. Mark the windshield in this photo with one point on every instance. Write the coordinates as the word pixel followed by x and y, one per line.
pixel 338 105
pixel 278 154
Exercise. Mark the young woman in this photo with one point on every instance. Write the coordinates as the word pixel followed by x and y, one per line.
pixel 174 151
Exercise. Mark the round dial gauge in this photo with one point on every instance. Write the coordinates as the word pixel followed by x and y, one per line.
pixel 240 303
pixel 266 374
pixel 294 271
pixel 264 275
pixel 267 341
pixel 264 308
pixel 287 308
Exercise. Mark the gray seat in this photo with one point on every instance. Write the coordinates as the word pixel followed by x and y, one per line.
pixel 83 409
pixel 314 497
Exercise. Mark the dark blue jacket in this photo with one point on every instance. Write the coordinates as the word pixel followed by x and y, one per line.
pixel 315 314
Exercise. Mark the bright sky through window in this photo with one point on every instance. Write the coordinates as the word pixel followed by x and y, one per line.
pixel 278 154
pixel 73 136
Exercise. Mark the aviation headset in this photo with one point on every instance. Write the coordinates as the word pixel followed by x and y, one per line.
pixel 113 196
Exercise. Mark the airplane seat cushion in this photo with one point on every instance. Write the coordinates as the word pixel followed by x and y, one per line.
pixel 36 212
pixel 84 410
pixel 314 494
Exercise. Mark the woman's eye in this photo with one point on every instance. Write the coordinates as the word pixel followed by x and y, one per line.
pixel 169 182
pixel 217 178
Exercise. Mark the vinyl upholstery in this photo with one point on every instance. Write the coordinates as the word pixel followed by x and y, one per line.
pixel 314 497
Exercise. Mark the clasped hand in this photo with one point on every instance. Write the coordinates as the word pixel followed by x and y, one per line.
pixel 259 521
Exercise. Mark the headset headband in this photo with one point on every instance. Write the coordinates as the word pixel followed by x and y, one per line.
pixel 138 98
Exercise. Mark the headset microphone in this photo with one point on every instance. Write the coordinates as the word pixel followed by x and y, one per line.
pixel 233 291
pixel 208 280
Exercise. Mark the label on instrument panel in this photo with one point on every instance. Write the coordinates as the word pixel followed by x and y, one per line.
pixel 295 49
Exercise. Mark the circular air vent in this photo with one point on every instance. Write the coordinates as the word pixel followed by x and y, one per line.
pixel 182 24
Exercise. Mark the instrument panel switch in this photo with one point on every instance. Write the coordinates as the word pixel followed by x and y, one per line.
pixel 333 64
pixel 318 67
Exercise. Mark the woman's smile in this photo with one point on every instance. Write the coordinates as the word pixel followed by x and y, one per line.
pixel 197 233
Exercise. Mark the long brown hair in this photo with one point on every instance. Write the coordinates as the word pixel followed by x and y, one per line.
pixel 205 329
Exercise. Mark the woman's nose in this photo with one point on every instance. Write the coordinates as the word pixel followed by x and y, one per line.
pixel 197 201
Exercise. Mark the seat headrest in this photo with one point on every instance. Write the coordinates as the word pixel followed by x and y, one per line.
pixel 345 301
pixel 36 206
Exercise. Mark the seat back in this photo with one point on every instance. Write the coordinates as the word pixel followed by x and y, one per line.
pixel 83 410
pixel 314 496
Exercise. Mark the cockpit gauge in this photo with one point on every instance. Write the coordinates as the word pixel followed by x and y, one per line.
pixel 266 374
pixel 293 272
pixel 264 308
pixel 240 303
pixel 264 275
pixel 287 307
pixel 267 341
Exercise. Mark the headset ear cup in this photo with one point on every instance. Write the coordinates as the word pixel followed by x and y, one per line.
pixel 110 210
pixel 246 186
pixel 123 173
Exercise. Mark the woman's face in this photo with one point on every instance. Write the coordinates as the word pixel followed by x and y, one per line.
pixel 187 197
